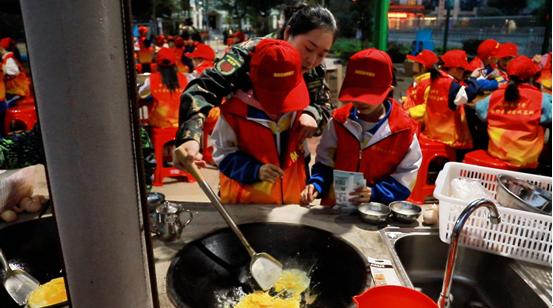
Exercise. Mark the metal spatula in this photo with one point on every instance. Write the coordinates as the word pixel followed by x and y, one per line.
pixel 18 283
pixel 265 269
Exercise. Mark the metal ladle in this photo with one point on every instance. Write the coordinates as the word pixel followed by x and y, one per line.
pixel 18 283
pixel 265 269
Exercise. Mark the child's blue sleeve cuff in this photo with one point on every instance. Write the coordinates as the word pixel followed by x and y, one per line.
pixel 321 178
pixel 240 167
pixel 389 190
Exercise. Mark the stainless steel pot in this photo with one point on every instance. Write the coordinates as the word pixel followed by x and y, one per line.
pixel 521 195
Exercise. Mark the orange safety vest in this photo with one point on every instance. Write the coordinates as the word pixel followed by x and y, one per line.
pixel 164 111
pixel 181 68
pixel 258 141
pixel 378 160
pixel 19 84
pixel 145 55
pixel 416 92
pixel 516 135
pixel 441 123
pixel 2 86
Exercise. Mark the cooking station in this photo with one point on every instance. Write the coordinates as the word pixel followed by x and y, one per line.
pixel 419 243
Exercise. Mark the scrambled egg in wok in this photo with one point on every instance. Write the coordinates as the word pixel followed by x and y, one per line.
pixel 289 287
pixel 50 293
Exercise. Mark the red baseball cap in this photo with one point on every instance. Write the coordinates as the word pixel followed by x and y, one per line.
pixel 487 48
pixel 368 77
pixel 5 42
pixel 456 58
pixel 275 71
pixel 507 50
pixel 523 68
pixel 160 39
pixel 165 57
pixel 179 42
pixel 425 57
pixel 202 51
pixel 143 30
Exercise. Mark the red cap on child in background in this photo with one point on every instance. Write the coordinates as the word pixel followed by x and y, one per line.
pixel 523 68
pixel 143 30
pixel 426 57
pixel 202 51
pixel 368 77
pixel 5 42
pixel 160 39
pixel 275 71
pixel 456 58
pixel 179 42
pixel 165 57
pixel 507 50
pixel 487 49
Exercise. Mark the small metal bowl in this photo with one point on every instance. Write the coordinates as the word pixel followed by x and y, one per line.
pixel 405 211
pixel 374 212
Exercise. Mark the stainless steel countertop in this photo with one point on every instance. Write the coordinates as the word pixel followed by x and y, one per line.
pixel 343 224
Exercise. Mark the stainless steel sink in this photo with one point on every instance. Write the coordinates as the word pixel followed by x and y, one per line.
pixel 480 280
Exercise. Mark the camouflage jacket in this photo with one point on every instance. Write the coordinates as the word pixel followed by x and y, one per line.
pixel 231 73
pixel 24 149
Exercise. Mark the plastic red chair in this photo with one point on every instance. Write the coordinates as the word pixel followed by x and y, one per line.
pixel 160 137
pixel 482 158
pixel 21 116
pixel 434 155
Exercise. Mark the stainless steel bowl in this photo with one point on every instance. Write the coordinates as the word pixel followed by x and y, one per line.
pixel 521 195
pixel 374 212
pixel 405 211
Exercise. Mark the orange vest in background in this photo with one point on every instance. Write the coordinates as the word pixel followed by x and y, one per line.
pixel 19 84
pixel 441 123
pixel 416 93
pixel 378 160
pixel 2 86
pixel 181 68
pixel 164 111
pixel 145 55
pixel 516 135
pixel 258 141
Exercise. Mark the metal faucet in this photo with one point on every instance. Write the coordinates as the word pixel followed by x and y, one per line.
pixel 443 301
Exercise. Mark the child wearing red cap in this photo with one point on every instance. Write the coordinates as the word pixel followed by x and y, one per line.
pixel 203 57
pixel 515 114
pixel 371 134
pixel 164 87
pixel 417 91
pixel 257 142
pixel 444 118
pixel 505 53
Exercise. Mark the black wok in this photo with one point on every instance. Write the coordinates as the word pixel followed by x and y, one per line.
pixel 217 263
pixel 34 245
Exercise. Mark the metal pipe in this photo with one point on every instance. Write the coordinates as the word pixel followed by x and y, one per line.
pixel 79 58
pixel 443 301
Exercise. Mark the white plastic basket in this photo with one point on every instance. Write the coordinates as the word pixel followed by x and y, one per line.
pixel 520 235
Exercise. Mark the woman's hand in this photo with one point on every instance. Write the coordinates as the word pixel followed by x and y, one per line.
pixel 308 126
pixel 189 152
pixel 361 195
pixel 308 195
pixel 270 173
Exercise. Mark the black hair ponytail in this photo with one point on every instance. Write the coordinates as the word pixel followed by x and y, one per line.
pixel 434 72
pixel 511 92
pixel 169 77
